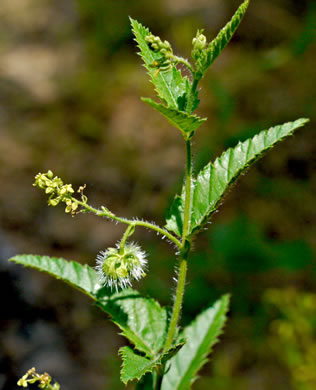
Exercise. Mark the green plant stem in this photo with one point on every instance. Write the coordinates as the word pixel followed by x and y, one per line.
pixel 177 304
pixel 108 214
pixel 183 266
pixel 195 82
pixel 157 377
pixel 184 62
pixel 187 201
pixel 128 232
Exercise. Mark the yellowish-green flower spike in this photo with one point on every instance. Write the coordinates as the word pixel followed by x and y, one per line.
pixel 45 380
pixel 32 377
pixel 23 382
pixel 54 202
pixel 66 189
pixel 58 191
pixel 117 267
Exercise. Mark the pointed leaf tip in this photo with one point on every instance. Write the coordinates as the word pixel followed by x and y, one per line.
pixel 169 84
pixel 218 44
pixel 77 275
pixel 214 180
pixel 134 366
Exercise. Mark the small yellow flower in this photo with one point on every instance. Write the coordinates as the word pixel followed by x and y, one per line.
pixel 23 381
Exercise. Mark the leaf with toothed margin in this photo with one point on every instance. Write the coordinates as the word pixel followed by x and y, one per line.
pixel 170 86
pixel 82 277
pixel 134 366
pixel 200 337
pixel 186 123
pixel 224 36
pixel 142 320
pixel 174 217
pixel 213 181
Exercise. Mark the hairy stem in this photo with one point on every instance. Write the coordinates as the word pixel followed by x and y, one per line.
pixel 184 62
pixel 108 214
pixel 177 304
pixel 184 252
pixel 187 201
pixel 195 82
pixel 128 232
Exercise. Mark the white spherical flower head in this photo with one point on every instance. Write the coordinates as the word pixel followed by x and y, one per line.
pixel 117 267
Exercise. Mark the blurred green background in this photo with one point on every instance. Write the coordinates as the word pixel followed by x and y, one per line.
pixel 70 83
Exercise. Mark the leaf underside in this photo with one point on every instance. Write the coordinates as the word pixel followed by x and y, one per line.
pixel 142 320
pixel 213 181
pixel 200 337
pixel 170 86
pixel 186 123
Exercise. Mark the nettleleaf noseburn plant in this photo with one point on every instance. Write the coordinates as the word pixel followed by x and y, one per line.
pixel 163 356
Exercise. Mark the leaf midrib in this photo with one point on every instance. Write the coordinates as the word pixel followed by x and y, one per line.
pixel 198 355
pixel 90 294
pixel 212 206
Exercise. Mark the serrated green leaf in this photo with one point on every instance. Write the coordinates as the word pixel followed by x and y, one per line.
pixel 215 179
pixel 134 366
pixel 170 86
pixel 186 123
pixel 142 320
pixel 174 217
pixel 79 276
pixel 172 351
pixel 224 36
pixel 200 336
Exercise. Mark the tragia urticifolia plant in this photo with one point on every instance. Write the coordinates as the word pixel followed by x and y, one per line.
pixel 163 355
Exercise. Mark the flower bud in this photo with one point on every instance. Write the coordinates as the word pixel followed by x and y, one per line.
pixel 50 174
pixel 199 42
pixel 157 45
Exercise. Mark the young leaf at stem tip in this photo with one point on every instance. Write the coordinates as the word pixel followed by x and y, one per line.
pixel 170 85
pixel 204 55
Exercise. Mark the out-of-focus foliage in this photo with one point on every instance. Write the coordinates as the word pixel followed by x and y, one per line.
pixel 293 334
